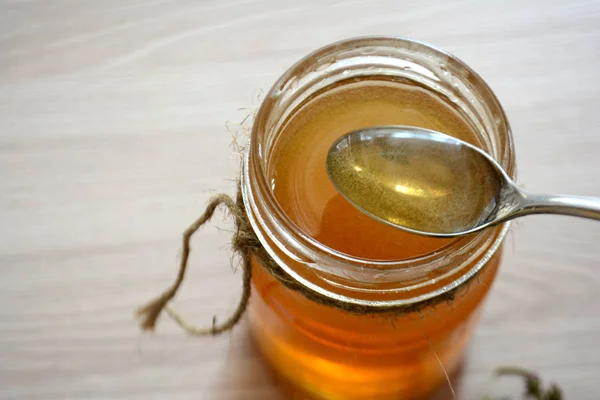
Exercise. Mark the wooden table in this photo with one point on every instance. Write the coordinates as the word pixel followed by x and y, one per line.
pixel 113 136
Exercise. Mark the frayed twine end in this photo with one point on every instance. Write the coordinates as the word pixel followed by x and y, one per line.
pixel 149 313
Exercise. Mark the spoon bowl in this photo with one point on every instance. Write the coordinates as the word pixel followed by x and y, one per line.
pixel 433 184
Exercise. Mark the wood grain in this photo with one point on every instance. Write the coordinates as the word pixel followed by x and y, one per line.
pixel 112 138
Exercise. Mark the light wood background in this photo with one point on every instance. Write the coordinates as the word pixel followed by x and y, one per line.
pixel 113 136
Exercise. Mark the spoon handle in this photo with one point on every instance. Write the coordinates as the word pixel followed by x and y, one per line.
pixel 577 206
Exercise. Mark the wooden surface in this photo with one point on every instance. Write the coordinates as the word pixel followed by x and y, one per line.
pixel 112 138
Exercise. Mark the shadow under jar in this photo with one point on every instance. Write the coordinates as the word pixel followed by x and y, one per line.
pixel 332 249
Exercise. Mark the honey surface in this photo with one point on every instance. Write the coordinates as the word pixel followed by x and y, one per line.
pixel 298 165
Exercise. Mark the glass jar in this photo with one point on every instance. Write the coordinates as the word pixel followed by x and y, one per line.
pixel 332 351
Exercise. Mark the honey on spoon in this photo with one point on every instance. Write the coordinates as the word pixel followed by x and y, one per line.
pixel 433 184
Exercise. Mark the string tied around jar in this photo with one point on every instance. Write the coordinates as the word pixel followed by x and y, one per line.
pixel 247 245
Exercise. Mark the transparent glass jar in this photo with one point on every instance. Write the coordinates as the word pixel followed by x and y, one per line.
pixel 324 351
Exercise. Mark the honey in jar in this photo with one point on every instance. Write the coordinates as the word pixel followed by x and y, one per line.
pixel 326 351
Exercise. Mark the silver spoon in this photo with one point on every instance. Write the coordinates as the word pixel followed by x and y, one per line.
pixel 433 184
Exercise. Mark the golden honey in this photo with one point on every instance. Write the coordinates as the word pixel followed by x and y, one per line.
pixel 324 352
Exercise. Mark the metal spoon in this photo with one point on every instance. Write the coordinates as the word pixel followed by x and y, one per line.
pixel 433 184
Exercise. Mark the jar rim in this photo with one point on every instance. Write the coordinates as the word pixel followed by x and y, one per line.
pixel 310 251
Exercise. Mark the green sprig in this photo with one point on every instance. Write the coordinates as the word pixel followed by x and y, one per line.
pixel 534 388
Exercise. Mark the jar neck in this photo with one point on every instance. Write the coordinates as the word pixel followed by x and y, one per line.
pixel 440 73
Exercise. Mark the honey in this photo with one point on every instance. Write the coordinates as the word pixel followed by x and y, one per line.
pixel 384 357
pixel 325 352
pixel 415 178
pixel 298 168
